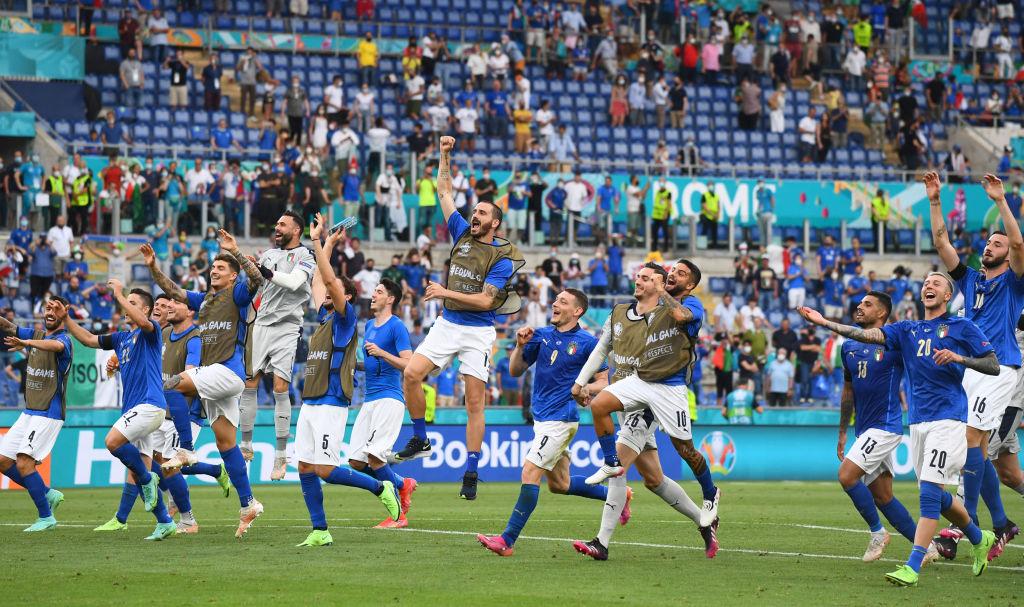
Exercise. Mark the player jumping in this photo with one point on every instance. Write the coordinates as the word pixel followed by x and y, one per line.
pixel 993 299
pixel 559 351
pixel 482 268
pixel 33 435
pixel 937 410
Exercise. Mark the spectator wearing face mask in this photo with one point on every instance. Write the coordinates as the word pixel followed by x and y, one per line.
pixel 780 374
pixel 77 266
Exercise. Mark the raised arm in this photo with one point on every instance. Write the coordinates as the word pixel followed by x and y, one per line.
pixel 334 287
pixel 868 336
pixel 137 316
pixel 7 327
pixel 994 188
pixel 444 177
pixel 940 237
pixel 47 345
pixel 251 270
pixel 86 338
pixel 680 313
pixel 168 286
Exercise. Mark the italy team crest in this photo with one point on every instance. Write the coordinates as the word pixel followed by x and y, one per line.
pixel 879 354
pixel 943 331
pixel 571 348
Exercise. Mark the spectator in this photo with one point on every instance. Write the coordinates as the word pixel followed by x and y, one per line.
pixel 881 73
pixel 246 71
pixel 784 338
pixel 345 143
pixel 198 181
pixel 221 137
pixel 128 29
pixel 765 198
pixel 581 62
pixel 832 296
pixel 777 109
pixel 637 97
pixel 823 138
pixel 807 359
pixel 486 188
pixel 661 157
pixel 749 366
pixel 545 119
pixel 41 267
pixel 555 201
pixel 879 216
pixel 740 404
pixel 498 63
pixel 578 195
pixel 211 83
pixel 466 119
pixel 516 216
pixel 808 131
pixel 749 100
pixel 133 80
pixel 749 312
pixel 522 87
pixel 780 60
pixel 766 285
pixel 618 105
pixel 744 269
pixel 522 119
pixel 113 134
pixel 722 361
pixel 796 289
pixel 476 63
pixel 875 115
pixel 726 315
pixel 388 190
pixel 440 118
pixel 606 54
pixel 710 215
pixel 678 104
pixel 854 66
pixel 368 60
pixel 828 256
pixel 852 257
pixel 334 100
pixel 295 109
pixel 179 67
pixel 838 118
pixel 935 97
pixel 660 98
pixel 61 238
pixel 563 150
pixel 709 54
pixel 743 59
pixel 689 56
pixel 856 288
pixel 662 208
pixel 496 111
pixel 377 142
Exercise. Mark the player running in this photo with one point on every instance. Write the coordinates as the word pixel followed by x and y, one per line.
pixel 937 410
pixel 871 390
pixel 327 394
pixel 34 434
pixel 288 270
pixel 648 404
pixel 559 351
pixel 219 380
pixel 482 268
pixel 143 407
pixel 993 299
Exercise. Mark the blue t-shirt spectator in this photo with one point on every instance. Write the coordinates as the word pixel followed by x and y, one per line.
pixel 606 196
pixel 498 101
pixel 222 138
pixel 21 238
pixel 414 274
pixel 598 273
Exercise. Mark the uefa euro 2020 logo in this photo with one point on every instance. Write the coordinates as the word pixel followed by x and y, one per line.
pixel 720 450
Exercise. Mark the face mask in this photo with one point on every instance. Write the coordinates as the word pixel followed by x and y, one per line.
pixel 746 349
pixel 908 297
pixel 78 257
pixel 116 252
pixel 24 224
pixel 835 275
pixel 149 166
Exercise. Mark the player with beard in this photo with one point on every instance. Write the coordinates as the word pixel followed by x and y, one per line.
pixel 649 385
pixel 993 299
pixel 288 272
pixel 482 269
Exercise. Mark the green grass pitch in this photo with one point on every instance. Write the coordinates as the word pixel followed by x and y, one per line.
pixel 782 544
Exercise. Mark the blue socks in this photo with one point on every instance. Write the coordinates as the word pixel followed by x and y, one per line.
pixel 528 495
pixel 13 474
pixel 354 478
pixel 178 407
pixel 990 493
pixel 129 493
pixel 898 516
pixel 707 485
pixel 973 533
pixel 132 459
pixel 36 488
pixel 313 494
pixel 419 427
pixel 578 486
pixel 862 499
pixel 972 472
pixel 611 457
pixel 472 461
pixel 160 511
pixel 235 465
pixel 178 487
pixel 212 470
pixel 916 557
pixel 385 473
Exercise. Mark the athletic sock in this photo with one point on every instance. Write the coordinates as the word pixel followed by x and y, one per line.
pixel 419 427
pixel 178 488
pixel 386 473
pixel 132 459
pixel 13 474
pixel 899 517
pixel 990 493
pixel 613 507
pixel 674 496
pixel 472 461
pixel 154 468
pixel 973 533
pixel 178 407
pixel 160 511
pixel 578 486
pixel 528 496
pixel 235 465
pixel 972 472
pixel 313 494
pixel 247 407
pixel 707 484
pixel 188 518
pixel 862 499
pixel 129 493
pixel 354 478
pixel 282 421
pixel 36 488
pixel 916 557
pixel 607 442
pixel 206 468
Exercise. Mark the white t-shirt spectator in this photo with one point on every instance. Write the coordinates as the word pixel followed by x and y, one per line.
pixel 546 118
pixel 748 314
pixel 423 242
pixel 808 129
pixel 855 61
pixel 364 101
pixel 633 198
pixel 467 118
pixel 61 239
pixel 414 88
pixel 497 63
pixel 725 317
pixel 158 39
pixel 377 139
pixel 334 97
pixel 477 64
pixel 659 94
pixel 366 280
pixel 543 285
pixel 575 196
pixel 345 143
pixel 460 185
pixel 198 181
pixel 439 115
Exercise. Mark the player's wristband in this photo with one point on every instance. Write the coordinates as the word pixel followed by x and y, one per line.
pixel 266 272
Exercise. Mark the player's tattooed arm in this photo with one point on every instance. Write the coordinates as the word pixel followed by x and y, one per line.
pixel 444 176
pixel 940 236
pixel 168 286
pixel 251 270
pixel 680 313
pixel 988 364
pixel 8 327
pixel 867 336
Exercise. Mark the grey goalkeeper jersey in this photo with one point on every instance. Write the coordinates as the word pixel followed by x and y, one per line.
pixel 278 304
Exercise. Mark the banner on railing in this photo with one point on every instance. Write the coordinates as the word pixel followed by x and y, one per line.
pixel 17 124
pixel 42 56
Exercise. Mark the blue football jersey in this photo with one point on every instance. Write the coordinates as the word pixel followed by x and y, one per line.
pixel 383 380
pixel 875 374
pixel 559 358
pixel 994 305
pixel 140 356
pixel 936 390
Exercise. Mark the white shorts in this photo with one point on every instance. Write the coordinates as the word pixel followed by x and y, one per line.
pixel 535 37
pixel 219 389
pixel 318 434
pixel 167 441
pixel 874 452
pixel 33 435
pixel 669 404
pixel 139 424
pixel 1004 12
pixel 516 219
pixel 796 298
pixel 988 396
pixel 833 311
pixel 273 350
pixel 939 450
pixel 551 443
pixel 376 429
pixel 1004 439
pixel 636 431
pixel 472 345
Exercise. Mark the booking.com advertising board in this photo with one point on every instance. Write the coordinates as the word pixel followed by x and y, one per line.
pixel 742 453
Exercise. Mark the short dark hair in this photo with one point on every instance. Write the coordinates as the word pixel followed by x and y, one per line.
pixel 581 298
pixel 350 287
pixel 694 271
pixel 658 269
pixel 998 233
pixel 884 299
pixel 62 300
pixel 496 212
pixel 147 297
pixel 162 296
pixel 394 290
pixel 230 260
pixel 299 221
